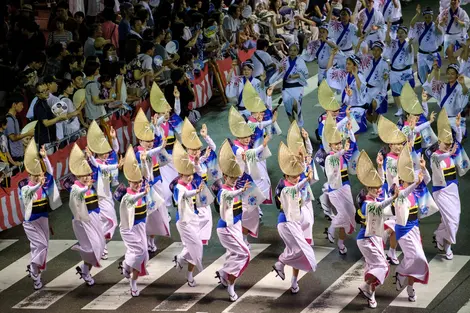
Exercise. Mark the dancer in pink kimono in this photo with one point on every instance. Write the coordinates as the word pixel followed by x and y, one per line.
pixel 298 253
pixel 446 162
pixel 369 238
pixel 339 188
pixel 187 219
pixel 205 165
pixel 133 213
pixel 414 268
pixel 229 227
pixel 86 222
pixel 98 144
pixel 39 196
pixel 157 224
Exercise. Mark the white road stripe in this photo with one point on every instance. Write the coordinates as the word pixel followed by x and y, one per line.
pixel 119 294
pixel 5 243
pixel 68 281
pixel 441 272
pixel 205 283
pixel 273 287
pixel 17 270
pixel 341 292
pixel 465 308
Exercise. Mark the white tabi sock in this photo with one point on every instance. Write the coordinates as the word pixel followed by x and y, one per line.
pixel 375 128
pixel 372 296
pixel 34 269
pixel 393 253
pixel 293 281
pixel 340 243
pixel 231 289
pixel 245 238
pixel 133 284
pixel 331 230
pixel 85 269
pixel 448 248
pixel 190 276
pixel 409 289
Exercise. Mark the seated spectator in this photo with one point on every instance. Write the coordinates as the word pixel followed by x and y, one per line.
pixel 82 28
pixel 55 54
pixel 60 35
pixel 109 27
pixel 13 129
pixel 89 47
pixel 94 107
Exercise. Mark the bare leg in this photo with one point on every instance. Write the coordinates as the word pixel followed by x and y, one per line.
pixel 393 240
pixel 342 233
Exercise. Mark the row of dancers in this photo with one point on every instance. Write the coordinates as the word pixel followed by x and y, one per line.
pixel 169 167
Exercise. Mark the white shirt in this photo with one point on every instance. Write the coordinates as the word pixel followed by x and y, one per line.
pixel 263 55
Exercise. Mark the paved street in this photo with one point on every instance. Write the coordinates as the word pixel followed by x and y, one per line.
pixel 332 288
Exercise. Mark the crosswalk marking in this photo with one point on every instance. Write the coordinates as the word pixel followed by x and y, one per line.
pixel 341 292
pixel 5 243
pixel 441 272
pixel 17 270
pixel 68 281
pixel 465 308
pixel 119 294
pixel 273 287
pixel 206 282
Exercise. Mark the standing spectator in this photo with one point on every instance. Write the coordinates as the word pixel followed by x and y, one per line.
pixel 150 21
pixel 109 27
pixel 5 156
pixel 70 24
pixel 167 61
pixel 89 48
pixel 69 65
pixel 135 73
pixel 13 129
pixel 181 81
pixel 231 23
pixel 55 54
pixel 146 59
pixel 51 85
pixel 127 12
pixel 82 28
pixel 77 80
pixel 136 29
pixel 34 39
pixel 94 107
pixel 262 61
pixel 94 8
pixel 36 61
pixel 59 35
pixel 45 131
pixel 75 48
pixel 72 125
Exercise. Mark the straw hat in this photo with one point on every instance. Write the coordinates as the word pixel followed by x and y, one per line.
pixel 405 166
pixel 409 100
pixel 251 99
pixel 327 98
pixel 158 100
pixel 142 128
pixel 290 163
pixel 330 131
pixel 238 125
pixel 183 164
pixel 32 160
pixel 96 140
pixel 79 97
pixel 227 161
pixel 189 136
pixel 444 131
pixel 131 167
pixel 78 162
pixel 366 172
pixel 389 132
pixel 295 141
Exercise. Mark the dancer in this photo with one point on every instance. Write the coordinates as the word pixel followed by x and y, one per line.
pixel 339 188
pixel 400 53
pixel 205 165
pixel 187 220
pixel 98 144
pixel 371 24
pixel 445 165
pixel 298 253
pixel 428 35
pixel 86 223
pixel 133 213
pixel 39 196
pixel 369 239
pixel 455 21
pixel 299 140
pixel 414 268
pixel 388 171
pixel 247 158
pixel 148 157
pixel 229 227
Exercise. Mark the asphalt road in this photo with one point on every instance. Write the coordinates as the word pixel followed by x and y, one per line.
pixel 332 288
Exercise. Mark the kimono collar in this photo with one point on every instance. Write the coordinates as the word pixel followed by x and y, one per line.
pixel 30 183
pixel 79 184
pixel 238 143
pixel 227 187
pixel 287 183
pixel 182 183
pixel 369 198
pixel 394 155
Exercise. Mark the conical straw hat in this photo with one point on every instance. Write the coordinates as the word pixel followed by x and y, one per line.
pixel 78 162
pixel 389 132
pixel 189 136
pixel 96 140
pixel 131 166
pixel 409 100
pixel 143 130
pixel 290 163
pixel 366 172
pixel 327 98
pixel 238 125
pixel 405 166
pixel 227 161
pixel 183 164
pixel 330 131
pixel 158 100
pixel 251 99
pixel 295 141
pixel 444 131
pixel 32 160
